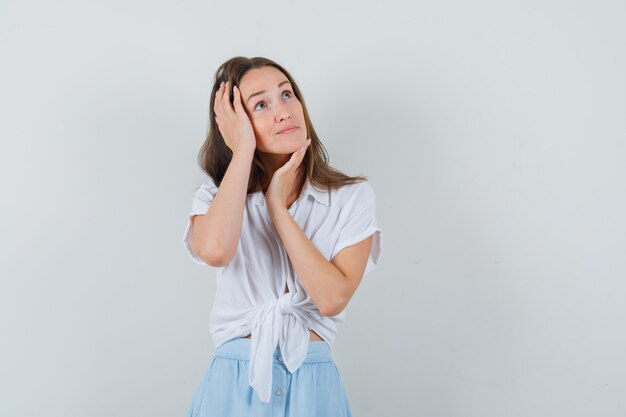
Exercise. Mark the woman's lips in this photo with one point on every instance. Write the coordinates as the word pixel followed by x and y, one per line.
pixel 288 130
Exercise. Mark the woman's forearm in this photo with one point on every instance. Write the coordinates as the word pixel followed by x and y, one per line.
pixel 216 235
pixel 322 280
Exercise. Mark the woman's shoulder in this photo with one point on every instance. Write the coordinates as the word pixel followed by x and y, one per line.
pixel 358 187
pixel 359 192
pixel 208 183
pixel 205 190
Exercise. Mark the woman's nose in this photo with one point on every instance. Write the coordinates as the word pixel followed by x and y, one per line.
pixel 282 114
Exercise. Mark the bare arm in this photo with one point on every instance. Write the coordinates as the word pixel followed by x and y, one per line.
pixel 331 284
pixel 216 234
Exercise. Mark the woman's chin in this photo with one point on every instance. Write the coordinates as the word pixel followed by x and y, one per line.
pixel 293 145
pixel 285 145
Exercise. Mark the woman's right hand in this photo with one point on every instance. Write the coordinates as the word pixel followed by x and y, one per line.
pixel 233 123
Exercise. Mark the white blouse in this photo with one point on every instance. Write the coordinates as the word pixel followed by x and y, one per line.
pixel 250 293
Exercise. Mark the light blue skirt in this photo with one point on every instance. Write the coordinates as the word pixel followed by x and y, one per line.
pixel 314 390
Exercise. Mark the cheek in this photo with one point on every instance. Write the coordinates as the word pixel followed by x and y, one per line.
pixel 259 122
pixel 297 110
pixel 262 127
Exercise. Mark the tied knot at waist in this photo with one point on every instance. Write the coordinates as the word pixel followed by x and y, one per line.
pixel 278 322
pixel 284 303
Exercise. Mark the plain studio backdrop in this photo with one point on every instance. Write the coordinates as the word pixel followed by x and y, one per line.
pixel 492 132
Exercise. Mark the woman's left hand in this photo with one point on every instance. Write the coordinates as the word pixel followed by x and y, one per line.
pixel 284 179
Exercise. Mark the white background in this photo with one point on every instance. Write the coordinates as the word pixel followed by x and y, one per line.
pixel 492 132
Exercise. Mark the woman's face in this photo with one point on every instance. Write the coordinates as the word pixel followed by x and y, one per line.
pixel 273 110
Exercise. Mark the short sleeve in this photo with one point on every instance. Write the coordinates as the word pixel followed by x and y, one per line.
pixel 360 222
pixel 200 204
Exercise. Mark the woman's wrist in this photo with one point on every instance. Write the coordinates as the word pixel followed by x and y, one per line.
pixel 246 154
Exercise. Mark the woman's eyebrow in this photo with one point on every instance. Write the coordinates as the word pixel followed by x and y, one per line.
pixel 263 91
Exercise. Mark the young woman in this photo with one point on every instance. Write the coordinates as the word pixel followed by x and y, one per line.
pixel 291 238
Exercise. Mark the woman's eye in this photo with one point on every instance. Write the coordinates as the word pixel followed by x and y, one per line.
pixel 262 102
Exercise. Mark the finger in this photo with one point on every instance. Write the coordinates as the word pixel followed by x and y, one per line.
pixel 218 98
pixel 290 164
pixel 305 147
pixel 303 151
pixel 301 154
pixel 226 97
pixel 220 93
pixel 296 157
pixel 237 101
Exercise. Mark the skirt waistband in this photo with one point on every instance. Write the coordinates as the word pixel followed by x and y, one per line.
pixel 239 348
